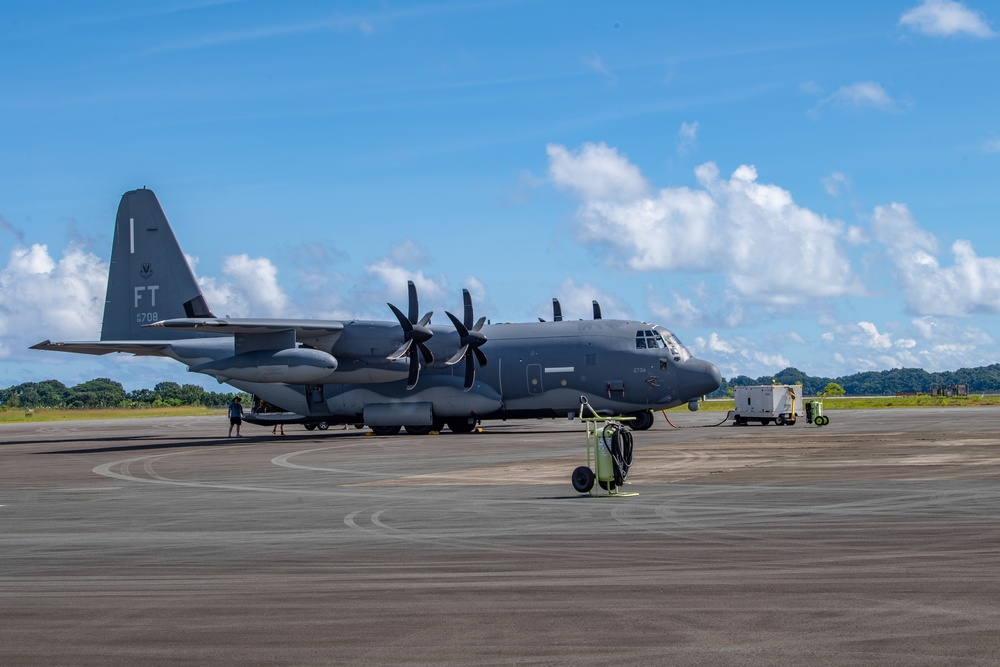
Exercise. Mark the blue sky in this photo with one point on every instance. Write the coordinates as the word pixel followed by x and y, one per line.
pixel 780 183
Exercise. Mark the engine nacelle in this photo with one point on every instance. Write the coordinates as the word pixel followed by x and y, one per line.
pixel 292 366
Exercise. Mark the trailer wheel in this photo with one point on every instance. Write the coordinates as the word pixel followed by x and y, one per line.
pixel 583 479
pixel 779 420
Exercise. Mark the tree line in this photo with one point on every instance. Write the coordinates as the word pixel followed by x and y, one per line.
pixel 106 393
pixel 980 380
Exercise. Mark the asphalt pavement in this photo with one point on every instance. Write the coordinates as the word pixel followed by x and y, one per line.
pixel 873 540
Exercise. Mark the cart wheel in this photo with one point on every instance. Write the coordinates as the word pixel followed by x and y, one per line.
pixel 583 479
pixel 826 420
pixel 607 486
pixel 780 420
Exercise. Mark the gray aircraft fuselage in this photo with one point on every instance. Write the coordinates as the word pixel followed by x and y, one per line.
pixel 356 371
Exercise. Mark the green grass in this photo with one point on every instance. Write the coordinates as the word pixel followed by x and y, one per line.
pixel 11 416
pixel 878 402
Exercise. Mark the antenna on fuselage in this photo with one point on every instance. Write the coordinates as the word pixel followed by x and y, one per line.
pixel 597 310
pixel 556 310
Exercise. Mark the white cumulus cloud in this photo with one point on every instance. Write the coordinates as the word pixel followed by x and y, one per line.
pixel 946 18
pixel 43 298
pixel 597 171
pixel 250 289
pixel 970 285
pixel 752 233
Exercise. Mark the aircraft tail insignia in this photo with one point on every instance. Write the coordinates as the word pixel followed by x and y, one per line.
pixel 150 279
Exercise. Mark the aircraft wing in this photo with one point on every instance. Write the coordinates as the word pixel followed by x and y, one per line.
pixel 139 348
pixel 305 330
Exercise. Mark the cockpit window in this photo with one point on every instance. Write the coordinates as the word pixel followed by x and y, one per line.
pixel 673 345
pixel 648 339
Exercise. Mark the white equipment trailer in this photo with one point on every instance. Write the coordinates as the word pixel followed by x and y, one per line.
pixel 778 403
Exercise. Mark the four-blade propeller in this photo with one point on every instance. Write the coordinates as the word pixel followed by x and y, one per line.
pixel 471 339
pixel 415 334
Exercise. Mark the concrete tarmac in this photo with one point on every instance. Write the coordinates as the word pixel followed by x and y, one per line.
pixel 872 541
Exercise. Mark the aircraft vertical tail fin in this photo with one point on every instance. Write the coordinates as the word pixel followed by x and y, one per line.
pixel 149 279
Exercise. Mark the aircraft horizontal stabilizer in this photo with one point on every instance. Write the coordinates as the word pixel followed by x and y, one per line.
pixel 136 347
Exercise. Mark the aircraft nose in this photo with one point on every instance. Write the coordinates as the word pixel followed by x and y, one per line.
pixel 697 378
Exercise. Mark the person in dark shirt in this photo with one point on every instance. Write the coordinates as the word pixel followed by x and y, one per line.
pixel 235 416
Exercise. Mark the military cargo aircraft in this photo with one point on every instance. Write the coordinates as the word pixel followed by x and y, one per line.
pixel 388 375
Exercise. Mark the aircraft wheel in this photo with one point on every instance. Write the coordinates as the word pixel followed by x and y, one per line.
pixel 385 430
pixel 419 430
pixel 583 479
pixel 359 426
pixel 310 427
pixel 463 426
pixel 642 422
pixel 322 426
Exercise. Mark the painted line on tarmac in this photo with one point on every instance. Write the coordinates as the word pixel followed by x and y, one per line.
pixel 284 462
pixel 124 473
